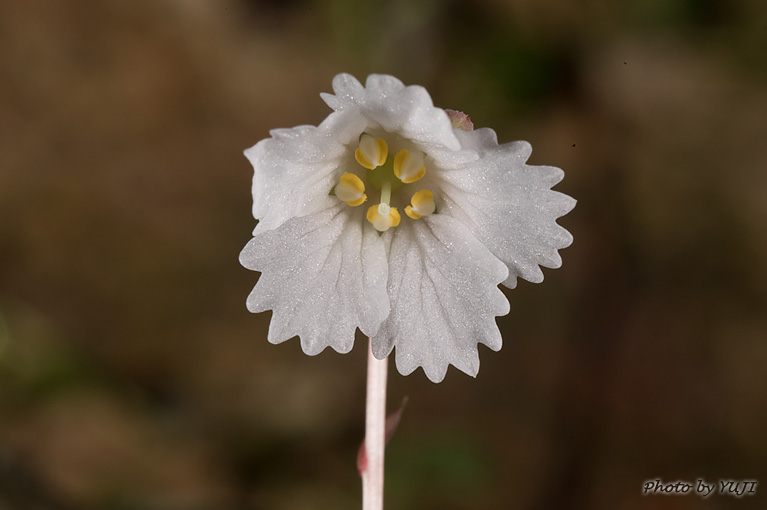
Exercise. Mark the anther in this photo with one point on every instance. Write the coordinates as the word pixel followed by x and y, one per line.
pixel 383 217
pixel 423 204
pixel 409 166
pixel 350 189
pixel 372 152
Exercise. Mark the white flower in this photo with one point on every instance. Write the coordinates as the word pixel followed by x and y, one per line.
pixel 387 219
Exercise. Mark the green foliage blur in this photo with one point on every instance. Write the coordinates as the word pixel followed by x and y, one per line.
pixel 132 377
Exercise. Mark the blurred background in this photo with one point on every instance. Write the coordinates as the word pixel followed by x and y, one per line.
pixel 132 376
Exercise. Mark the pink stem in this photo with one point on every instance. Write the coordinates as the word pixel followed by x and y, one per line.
pixel 375 433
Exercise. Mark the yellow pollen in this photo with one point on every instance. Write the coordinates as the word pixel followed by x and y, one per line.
pixel 423 204
pixel 409 166
pixel 383 217
pixel 372 152
pixel 350 189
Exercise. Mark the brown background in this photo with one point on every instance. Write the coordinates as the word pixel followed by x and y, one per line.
pixel 132 377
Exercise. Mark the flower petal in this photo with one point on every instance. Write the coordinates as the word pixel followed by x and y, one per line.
pixel 295 168
pixel 389 105
pixel 509 205
pixel 324 275
pixel 346 87
pixel 443 287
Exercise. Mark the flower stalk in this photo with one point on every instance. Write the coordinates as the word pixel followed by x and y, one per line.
pixel 375 433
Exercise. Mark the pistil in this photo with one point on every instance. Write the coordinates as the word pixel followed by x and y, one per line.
pixel 385 191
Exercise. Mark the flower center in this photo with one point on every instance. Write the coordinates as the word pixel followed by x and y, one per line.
pixel 386 175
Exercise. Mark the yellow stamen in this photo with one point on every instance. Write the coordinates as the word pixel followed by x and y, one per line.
pixel 409 166
pixel 350 189
pixel 383 217
pixel 423 204
pixel 372 152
